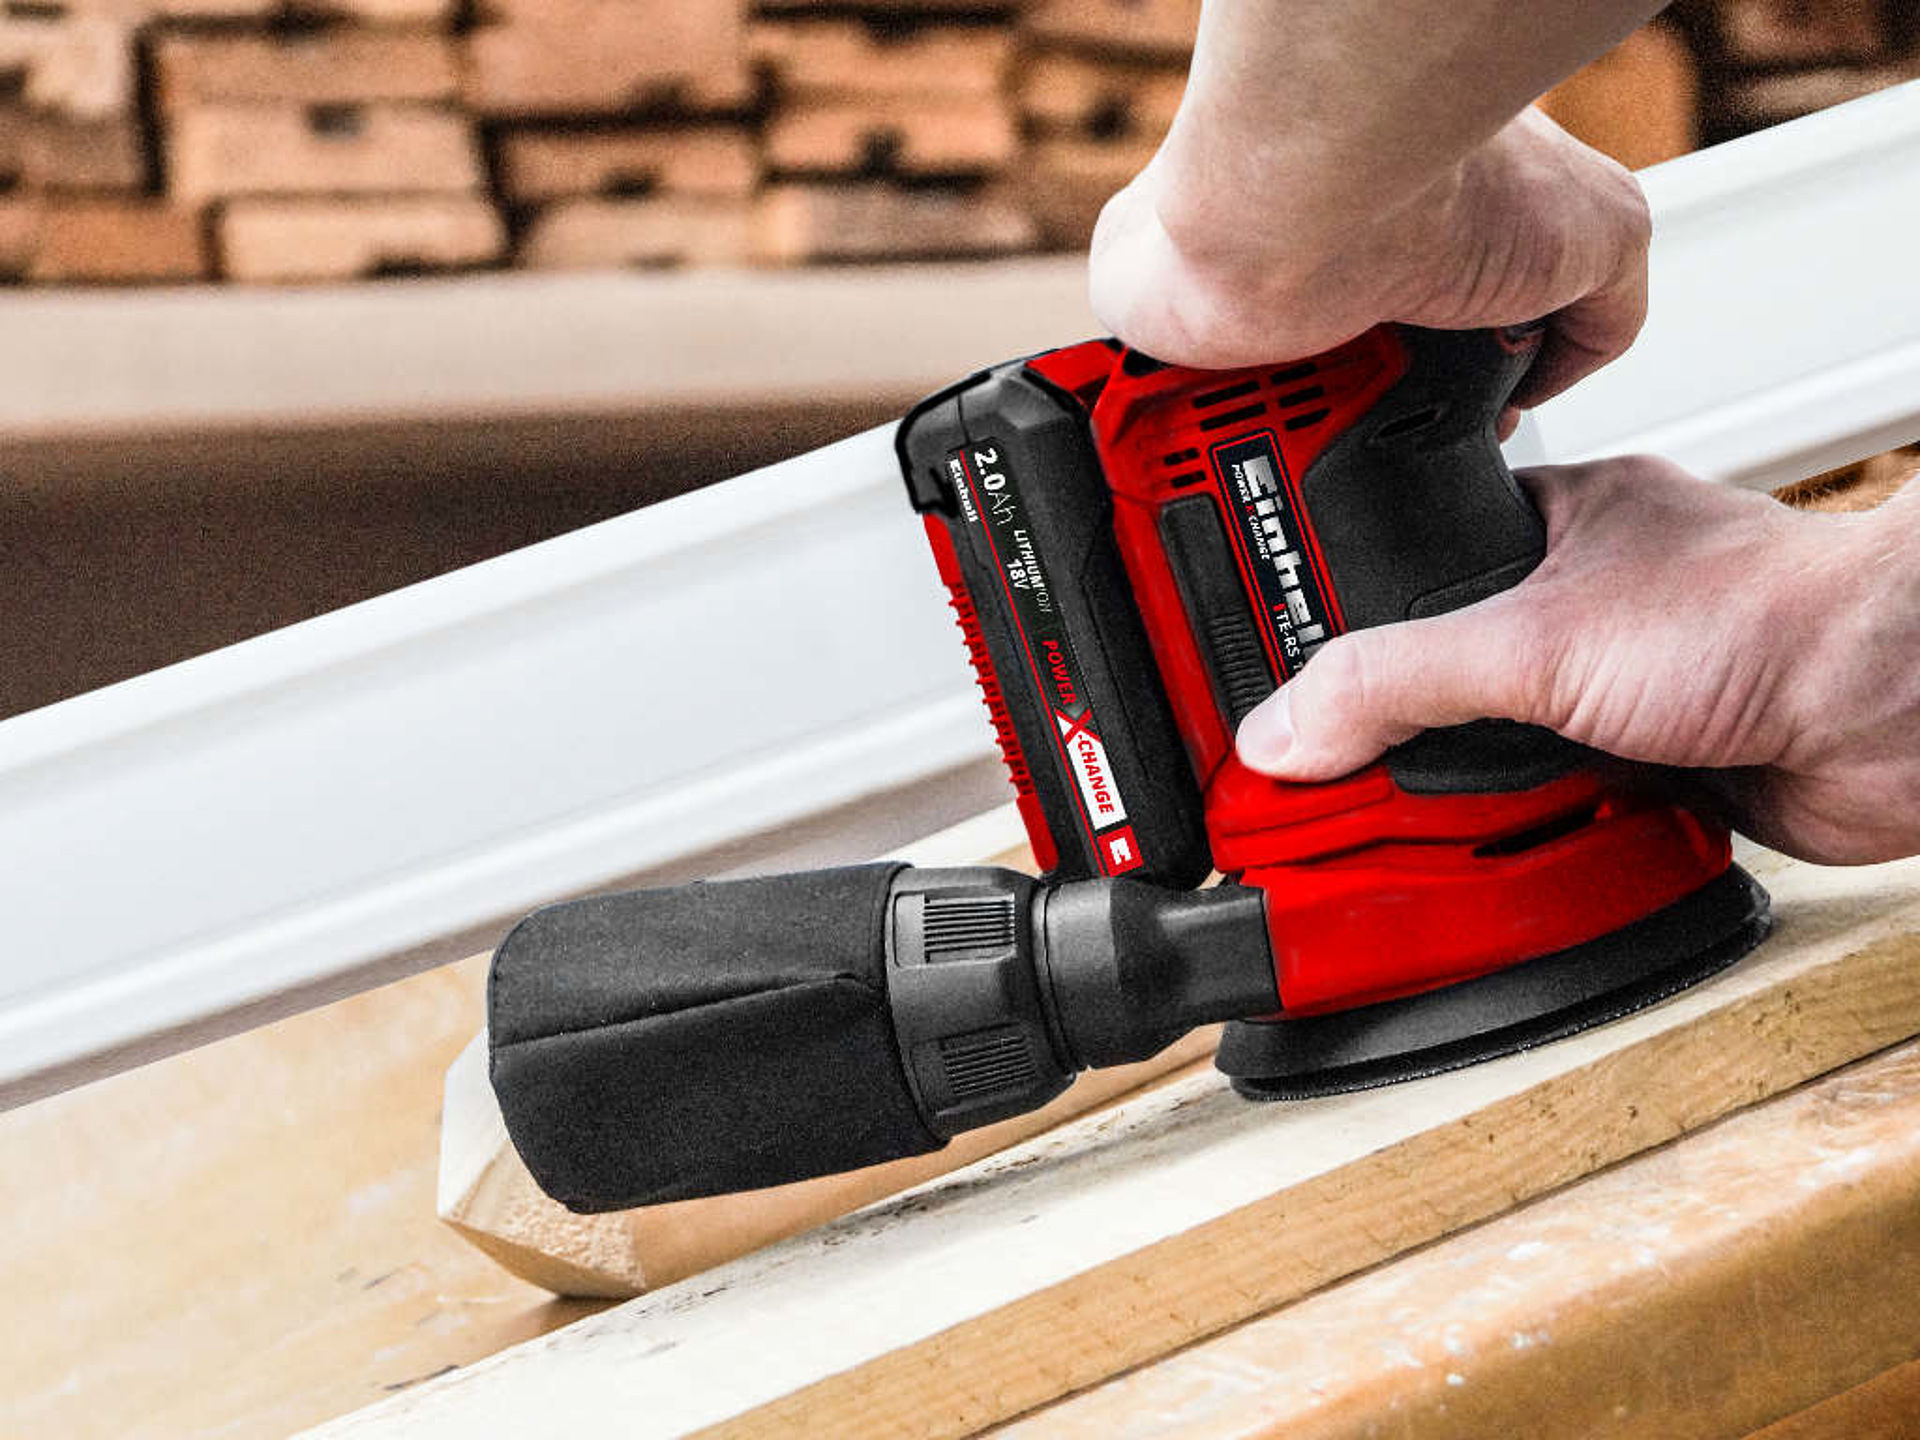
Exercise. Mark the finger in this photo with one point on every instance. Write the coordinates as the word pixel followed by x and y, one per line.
pixel 1587 334
pixel 1370 689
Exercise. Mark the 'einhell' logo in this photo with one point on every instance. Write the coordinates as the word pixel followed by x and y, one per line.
pixel 1294 607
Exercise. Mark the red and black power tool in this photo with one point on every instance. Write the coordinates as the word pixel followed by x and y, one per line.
pixel 1139 554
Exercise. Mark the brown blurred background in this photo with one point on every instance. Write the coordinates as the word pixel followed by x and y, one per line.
pixel 251 140
pixel 160 142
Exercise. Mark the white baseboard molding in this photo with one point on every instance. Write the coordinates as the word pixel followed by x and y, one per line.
pixel 390 784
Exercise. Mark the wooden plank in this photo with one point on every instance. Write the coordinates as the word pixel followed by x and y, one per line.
pixel 1798 32
pixel 721 161
pixel 49 153
pixel 78 66
pixel 223 150
pixel 1745 1273
pixel 240 1241
pixel 439 13
pixel 654 232
pixel 19 235
pixel 118 241
pixel 1638 103
pixel 1854 487
pixel 837 58
pixel 442 13
pixel 331 239
pixel 1066 180
pixel 1093 98
pixel 1769 99
pixel 1120 1239
pixel 306 67
pixel 610 57
pixel 876 221
pixel 140 12
pixel 950 135
pixel 488 1196
pixel 882 11
pixel 1886 1407
pixel 1162 28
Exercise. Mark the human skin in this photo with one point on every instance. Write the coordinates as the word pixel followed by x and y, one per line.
pixel 1775 653
pixel 1337 163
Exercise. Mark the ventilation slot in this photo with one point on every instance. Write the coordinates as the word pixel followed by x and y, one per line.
pixel 1234 417
pixel 1190 477
pixel 1239 664
pixel 1179 457
pixel 1412 423
pixel 1544 834
pixel 1294 372
pixel 963 924
pixel 986 1062
pixel 1226 393
pixel 1302 397
pixel 1312 417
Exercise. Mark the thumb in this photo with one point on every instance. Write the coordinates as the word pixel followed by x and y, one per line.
pixel 1369 689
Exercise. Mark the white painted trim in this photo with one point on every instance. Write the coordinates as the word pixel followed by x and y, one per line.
pixel 762 672
pixel 1783 334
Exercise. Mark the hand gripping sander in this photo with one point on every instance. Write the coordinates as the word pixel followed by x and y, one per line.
pixel 1138 554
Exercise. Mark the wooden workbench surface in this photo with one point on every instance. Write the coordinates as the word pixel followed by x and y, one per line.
pixel 241 1241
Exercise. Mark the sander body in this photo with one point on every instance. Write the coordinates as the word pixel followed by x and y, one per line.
pixel 1138 554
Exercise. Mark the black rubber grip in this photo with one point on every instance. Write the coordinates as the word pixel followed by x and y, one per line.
pixel 1417 514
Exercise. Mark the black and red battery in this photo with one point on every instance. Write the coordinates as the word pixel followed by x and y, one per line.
pixel 1140 553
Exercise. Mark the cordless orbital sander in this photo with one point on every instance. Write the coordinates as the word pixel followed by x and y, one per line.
pixel 1138 554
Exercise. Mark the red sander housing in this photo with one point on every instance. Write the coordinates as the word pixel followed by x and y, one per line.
pixel 1138 555
pixel 1253 515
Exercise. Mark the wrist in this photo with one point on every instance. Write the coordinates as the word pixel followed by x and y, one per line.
pixel 1849 597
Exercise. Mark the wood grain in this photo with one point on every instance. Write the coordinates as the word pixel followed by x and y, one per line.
pixel 302 239
pixel 653 232
pixel 878 221
pixel 1122 1238
pixel 1099 99
pixel 1886 1407
pixel 241 1240
pixel 487 1195
pixel 217 151
pixel 52 154
pixel 838 58
pixel 74 65
pixel 118 241
pixel 537 165
pixel 1747 1272
pixel 1117 27
pixel 918 136
pixel 306 67
pixel 610 57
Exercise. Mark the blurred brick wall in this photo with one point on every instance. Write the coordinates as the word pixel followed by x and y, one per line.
pixel 155 140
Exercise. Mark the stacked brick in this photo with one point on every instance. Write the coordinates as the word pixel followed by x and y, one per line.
pixel 323 140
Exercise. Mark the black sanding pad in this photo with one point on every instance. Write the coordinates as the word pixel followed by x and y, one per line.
pixel 1514 1009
